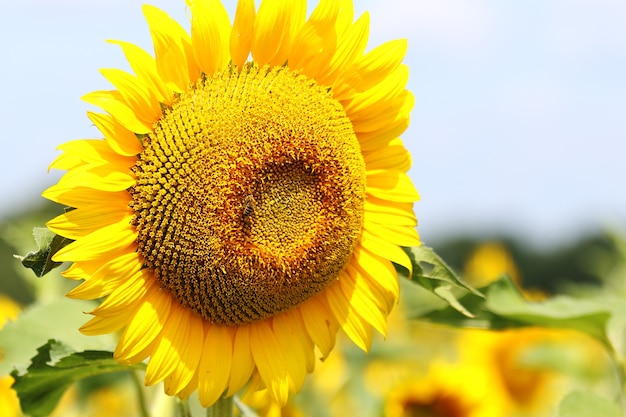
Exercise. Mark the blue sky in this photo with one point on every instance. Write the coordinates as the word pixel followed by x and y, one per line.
pixel 519 123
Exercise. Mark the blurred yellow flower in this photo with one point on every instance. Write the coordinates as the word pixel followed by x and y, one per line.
pixel 447 390
pixel 528 363
pixel 487 263
pixel 9 403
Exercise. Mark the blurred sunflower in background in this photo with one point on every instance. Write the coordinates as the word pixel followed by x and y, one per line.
pixel 9 403
pixel 446 390
pixel 248 198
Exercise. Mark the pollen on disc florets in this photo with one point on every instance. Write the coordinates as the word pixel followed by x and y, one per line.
pixel 249 194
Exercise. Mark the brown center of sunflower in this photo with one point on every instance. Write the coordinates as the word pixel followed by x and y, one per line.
pixel 249 194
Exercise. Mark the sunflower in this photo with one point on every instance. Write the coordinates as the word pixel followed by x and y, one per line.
pixel 445 391
pixel 9 402
pixel 248 198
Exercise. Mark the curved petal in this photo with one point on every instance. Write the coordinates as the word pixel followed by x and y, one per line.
pixel 144 66
pixel 83 197
pixel 210 34
pixel 316 42
pixel 296 345
pixel 320 323
pixel 269 360
pixel 136 94
pixel 390 252
pixel 102 325
pixel 380 275
pixel 242 356
pixel 170 345
pixel 350 45
pixel 242 33
pixel 350 321
pixel 113 103
pixel 370 306
pixel 391 185
pixel 190 353
pixel 371 68
pixel 145 326
pixel 98 243
pixel 77 223
pixel 130 292
pixel 121 139
pixel 108 277
pixel 275 26
pixel 215 364
pixel 83 151
pixel 172 48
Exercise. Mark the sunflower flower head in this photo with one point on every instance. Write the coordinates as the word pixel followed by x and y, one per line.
pixel 248 197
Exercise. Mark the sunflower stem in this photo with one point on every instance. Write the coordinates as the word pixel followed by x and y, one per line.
pixel 141 396
pixel 183 408
pixel 222 408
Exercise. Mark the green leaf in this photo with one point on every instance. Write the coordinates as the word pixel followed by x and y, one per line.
pixel 585 315
pixel 53 370
pixel 587 404
pixel 60 320
pixel 48 244
pixel 432 273
pixel 505 307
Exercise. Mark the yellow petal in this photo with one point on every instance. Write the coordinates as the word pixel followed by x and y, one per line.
pixel 84 151
pixel 191 350
pixel 146 324
pixel 171 44
pixel 391 185
pixel 394 156
pixel 103 325
pixel 389 212
pixel 129 293
pixel 136 94
pixel 316 42
pixel 169 346
pixel 145 68
pixel 113 103
pixel 275 26
pixel 210 33
pixel 296 345
pixel 121 139
pixel 269 361
pixel 98 243
pixel 350 45
pixel 349 320
pixel 242 32
pixel 215 364
pixel 371 68
pixel 191 387
pixel 320 323
pixel 370 307
pixel 373 141
pixel 379 94
pixel 84 269
pixel 242 357
pixel 386 115
pixel 399 235
pixel 379 269
pixel 83 197
pixel 110 177
pixel 80 222
pixel 108 277
pixel 390 251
